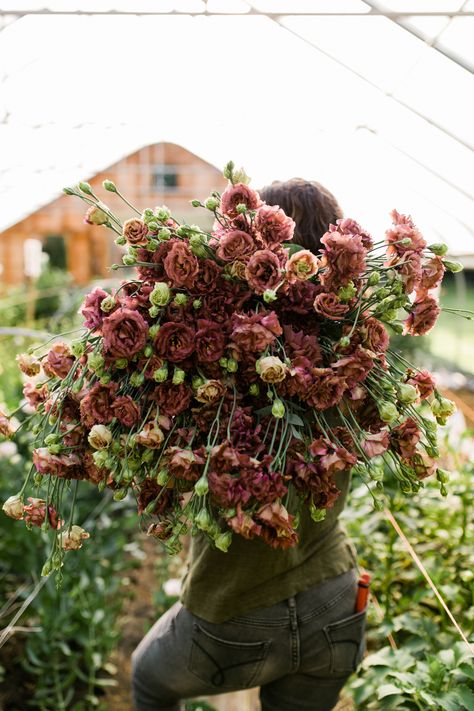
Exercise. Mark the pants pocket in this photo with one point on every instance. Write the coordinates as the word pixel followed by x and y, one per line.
pixel 346 639
pixel 225 664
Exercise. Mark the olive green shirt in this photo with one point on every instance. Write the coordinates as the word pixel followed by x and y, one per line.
pixel 218 585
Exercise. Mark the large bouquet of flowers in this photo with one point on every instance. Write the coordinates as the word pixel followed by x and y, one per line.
pixel 236 373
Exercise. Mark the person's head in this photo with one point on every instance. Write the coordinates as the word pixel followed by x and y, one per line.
pixel 311 206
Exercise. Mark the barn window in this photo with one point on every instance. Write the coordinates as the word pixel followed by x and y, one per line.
pixel 164 178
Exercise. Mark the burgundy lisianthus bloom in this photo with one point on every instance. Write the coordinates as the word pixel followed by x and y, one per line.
pixel 273 226
pixel 256 331
pixel 175 341
pixel 227 490
pixel 432 274
pixel 339 460
pixel 135 232
pixel 348 226
pixel 136 296
pixel 326 389
pixel 90 308
pixel 376 338
pixel 126 410
pixel 299 298
pixel 343 259
pixel 35 396
pixel 299 379
pixel 207 276
pixel 263 484
pixel 181 266
pixel 34 513
pixel 330 306
pixel 210 341
pixel 376 444
pixel 125 332
pixel 184 463
pixel 312 483
pixel 405 437
pixel 403 227
pixel 65 466
pixel 422 317
pixel 239 194
pixel 423 381
pixel 66 408
pixel 277 526
pixel 302 345
pixel 155 272
pixel 243 524
pixel 96 407
pixel 59 361
pixel 354 368
pixel 172 399
pixel 244 432
pixel 235 244
pixel 409 267
pixel 149 490
pixel 263 271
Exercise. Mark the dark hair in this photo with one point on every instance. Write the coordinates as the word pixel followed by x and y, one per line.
pixel 311 206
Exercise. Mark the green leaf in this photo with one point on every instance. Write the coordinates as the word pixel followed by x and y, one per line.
pixel 387 690
pixel 466 696
pixel 467 670
pixel 449 702
pixel 294 419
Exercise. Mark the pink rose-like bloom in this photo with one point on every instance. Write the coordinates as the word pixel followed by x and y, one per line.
pixel 263 271
pixel 255 332
pixel 151 436
pixel 172 399
pixel 405 437
pixel 329 306
pixel 354 368
pixel 210 341
pixel 126 410
pixel 376 444
pixel 432 274
pixel 90 308
pixel 423 465
pixel 243 524
pixel 277 526
pixel 125 333
pixel 239 194
pixel 184 463
pixel 422 317
pixel 344 259
pixel 148 491
pixel 96 406
pixel 175 341
pixel 326 389
pixel 273 226
pixel 181 266
pixel 65 466
pixel 337 460
pixel 423 381
pixel 235 244
pixel 376 338
pixel 59 361
pixel 35 396
pixel 348 226
pixel 301 345
pixel 207 276
pixel 301 265
pixel 403 227
pixel 409 268
pixel 135 232
pixel 35 513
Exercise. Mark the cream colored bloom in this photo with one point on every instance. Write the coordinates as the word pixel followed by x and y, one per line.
pixel 72 540
pixel 13 507
pixel 271 369
pixel 99 437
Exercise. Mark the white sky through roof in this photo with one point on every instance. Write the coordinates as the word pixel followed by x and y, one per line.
pixel 78 93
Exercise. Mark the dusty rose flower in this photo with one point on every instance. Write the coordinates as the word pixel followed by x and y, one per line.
pixel 423 465
pixel 210 341
pixel 263 271
pixel 59 361
pixel 243 524
pixel 181 266
pixel 95 216
pixel 256 331
pixel 235 244
pixel 301 265
pixel 405 437
pixel 28 364
pixel 271 369
pixel 376 444
pixel 184 463
pixel 423 381
pixel 173 399
pixel 343 259
pixel 175 341
pixel 71 540
pixel 161 530
pixel 422 317
pixel 273 226
pixel 150 436
pixel 354 368
pixel 237 270
pixel 409 267
pixel 13 507
pixel 326 389
pixel 277 530
pixel 348 226
pixel 125 332
pixel 329 306
pixel 239 194
pixel 376 338
pixel 6 428
pixel 126 410
pixel 34 513
pixel 150 491
pixel 35 396
pixel 301 344
pixel 432 274
pixel 99 437
pixel 91 310
pixel 96 407
pixel 336 460
pixel 211 391
pixel 135 232
pixel 207 276
pixel 403 228
pixel 65 466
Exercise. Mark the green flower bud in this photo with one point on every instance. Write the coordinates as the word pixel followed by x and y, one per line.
pixel 154 311
pixel 107 304
pixel 55 449
pixel 114 267
pixel 378 504
pixel 105 379
pixel 121 363
pixel 163 477
pixel 147 214
pixel 197 381
pixel 201 487
pixel 442 407
pixel 254 389
pixel 223 541
pixel 181 299
pixel 148 351
pixel 182 230
pixel 153 330
pixel 68 191
pixel 439 248
pixel 164 234
pixel 269 295
pixel 389 315
pixel 128 260
pixel 212 204
pixel 100 456
pixel 387 412
pixel 397 326
pixel 46 569
pixel 407 393
pixel 382 293
pixel 442 475
pixel 346 293
pixel 197 303
pixel 95 361
pixel 196 203
pixel 152 245
pixel 317 514
pixel 137 379
pixel 228 171
pixel 153 226
pixel 278 409
pixel 161 294
pixel 78 348
pixel 162 213
pixel 240 176
pixel 160 374
pixel 203 520
pixel 406 241
pixel 232 365
pixel 373 279
pixel 223 362
pixel 454 267
pixel 52 439
pixel 85 188
pixel 344 342
pixel 178 376
pixel 120 494
pixel 120 241
pixel 110 186
pixel 241 208
pixel 443 490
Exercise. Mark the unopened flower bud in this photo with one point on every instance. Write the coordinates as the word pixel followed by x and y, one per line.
pixel 153 330
pixel 100 457
pixel 442 407
pixel 388 412
pixel 162 213
pixel 373 279
pixel 201 487
pixel 85 188
pixel 197 381
pixel 180 299
pixel 110 186
pixel 107 304
pixel 68 191
pixel 96 216
pixel 196 203
pixel 164 234
pixel 163 477
pixel 454 267
pixel 95 361
pixel 128 260
pixel 154 311
pixel 254 389
pixel 203 520
pixel 223 541
pixel 46 569
pixel 212 203
pixel 152 245
pixel 378 505
pixel 346 293
pixel 269 295
pixel 160 374
pixel 120 494
pixel 55 449
pixel 137 379
pixel 397 327
pixel 78 348
pixel 241 208
pixel 317 514
pixel 153 226
pixel 232 365
pixel 278 409
pixel 438 248
pixel 178 376
pixel 13 507
pixel 161 294
pixel 228 171
pixel 121 363
pixel 344 342
pixel 442 475
pixel 223 362
pixel 407 393
pixel 197 303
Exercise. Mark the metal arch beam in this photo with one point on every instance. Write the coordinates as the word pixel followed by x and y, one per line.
pixel 401 22
pixel 21 12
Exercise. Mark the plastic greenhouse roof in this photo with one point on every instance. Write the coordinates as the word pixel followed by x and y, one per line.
pixel 373 99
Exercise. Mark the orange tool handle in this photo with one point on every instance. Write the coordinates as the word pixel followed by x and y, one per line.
pixel 362 592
